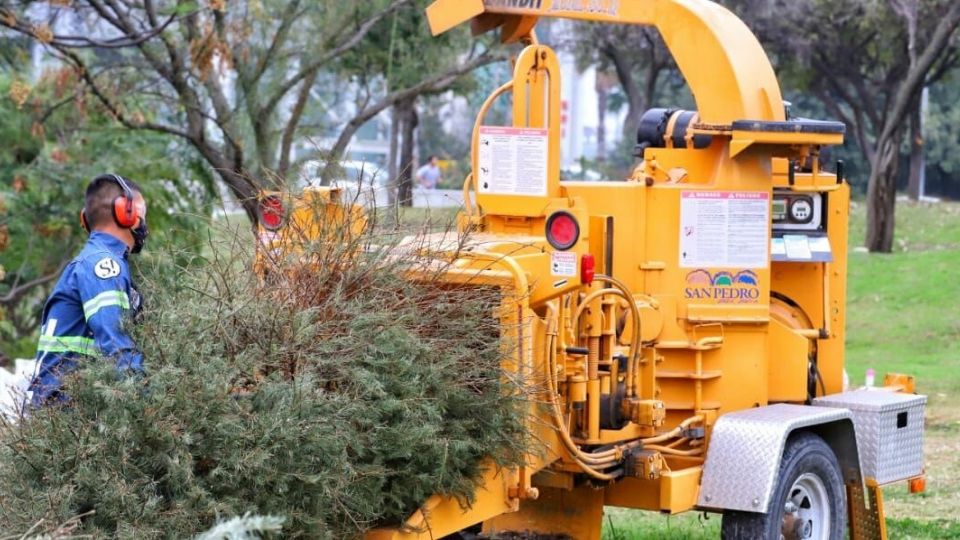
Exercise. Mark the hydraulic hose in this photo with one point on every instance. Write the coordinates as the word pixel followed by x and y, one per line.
pixel 623 292
pixel 587 461
pixel 634 361
pixel 591 461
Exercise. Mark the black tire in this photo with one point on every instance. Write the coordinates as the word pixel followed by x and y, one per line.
pixel 808 456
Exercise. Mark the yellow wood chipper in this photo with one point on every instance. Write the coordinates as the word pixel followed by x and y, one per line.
pixel 681 332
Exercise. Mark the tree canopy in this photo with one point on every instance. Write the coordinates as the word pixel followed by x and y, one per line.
pixel 235 81
pixel 48 154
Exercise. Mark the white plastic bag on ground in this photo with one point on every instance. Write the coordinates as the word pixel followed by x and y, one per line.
pixel 13 387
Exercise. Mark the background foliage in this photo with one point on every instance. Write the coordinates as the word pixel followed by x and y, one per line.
pixel 47 157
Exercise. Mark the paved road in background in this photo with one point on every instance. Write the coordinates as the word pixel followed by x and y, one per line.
pixel 422 198
pixel 437 198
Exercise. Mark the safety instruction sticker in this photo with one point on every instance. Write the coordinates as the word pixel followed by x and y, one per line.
pixel 563 263
pixel 797 247
pixel 724 229
pixel 512 161
pixel 800 248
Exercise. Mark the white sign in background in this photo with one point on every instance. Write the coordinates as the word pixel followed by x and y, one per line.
pixel 724 229
pixel 512 161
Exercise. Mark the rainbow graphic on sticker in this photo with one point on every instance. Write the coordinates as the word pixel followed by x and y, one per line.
pixel 724 287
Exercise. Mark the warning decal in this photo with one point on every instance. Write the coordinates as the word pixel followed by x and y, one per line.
pixel 724 229
pixel 512 161
pixel 563 263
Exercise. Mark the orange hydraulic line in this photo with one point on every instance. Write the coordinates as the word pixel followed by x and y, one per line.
pixel 673 451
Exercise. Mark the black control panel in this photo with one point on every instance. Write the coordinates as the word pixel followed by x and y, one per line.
pixel 799 227
pixel 798 212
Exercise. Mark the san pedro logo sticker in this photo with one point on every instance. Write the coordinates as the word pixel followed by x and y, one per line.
pixel 723 287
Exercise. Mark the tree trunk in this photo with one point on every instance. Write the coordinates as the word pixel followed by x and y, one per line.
pixel 244 191
pixel 232 174
pixel 636 101
pixel 602 95
pixel 916 152
pixel 882 194
pixel 392 157
pixel 290 131
pixel 407 111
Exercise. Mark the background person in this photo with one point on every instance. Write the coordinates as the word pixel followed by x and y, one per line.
pixel 429 175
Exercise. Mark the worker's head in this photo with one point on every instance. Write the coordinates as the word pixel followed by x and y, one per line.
pixel 433 160
pixel 115 205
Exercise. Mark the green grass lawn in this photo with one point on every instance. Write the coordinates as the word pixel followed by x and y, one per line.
pixel 903 314
pixel 902 308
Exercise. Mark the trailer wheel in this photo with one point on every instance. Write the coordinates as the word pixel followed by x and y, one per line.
pixel 809 501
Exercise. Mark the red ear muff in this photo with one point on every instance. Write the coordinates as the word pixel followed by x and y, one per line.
pixel 83 220
pixel 125 212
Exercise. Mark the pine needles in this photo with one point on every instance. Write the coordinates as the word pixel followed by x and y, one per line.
pixel 340 397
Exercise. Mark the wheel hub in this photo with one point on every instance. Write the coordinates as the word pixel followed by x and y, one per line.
pixel 806 512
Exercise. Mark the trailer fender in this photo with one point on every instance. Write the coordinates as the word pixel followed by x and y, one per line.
pixel 743 456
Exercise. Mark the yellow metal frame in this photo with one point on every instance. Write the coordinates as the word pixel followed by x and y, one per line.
pixel 701 358
pixel 630 372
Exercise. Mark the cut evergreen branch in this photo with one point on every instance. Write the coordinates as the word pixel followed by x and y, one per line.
pixel 337 392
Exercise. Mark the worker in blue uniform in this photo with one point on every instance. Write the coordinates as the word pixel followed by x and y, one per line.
pixel 88 312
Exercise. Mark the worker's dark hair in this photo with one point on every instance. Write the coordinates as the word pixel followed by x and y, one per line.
pixel 98 202
pixel 432 157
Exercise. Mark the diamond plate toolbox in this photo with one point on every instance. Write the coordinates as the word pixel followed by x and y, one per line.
pixel 889 430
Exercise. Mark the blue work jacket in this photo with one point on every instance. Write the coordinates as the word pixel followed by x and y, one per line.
pixel 85 316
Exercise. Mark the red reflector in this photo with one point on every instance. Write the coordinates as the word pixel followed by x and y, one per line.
pixel 588 269
pixel 918 484
pixel 563 231
pixel 271 213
